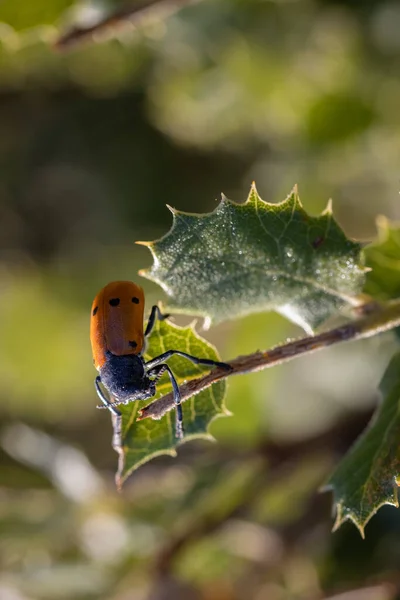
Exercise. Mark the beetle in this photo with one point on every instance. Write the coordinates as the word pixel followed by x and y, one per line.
pixel 118 341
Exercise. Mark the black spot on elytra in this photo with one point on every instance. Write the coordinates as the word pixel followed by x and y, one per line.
pixel 95 310
pixel 114 301
pixel 135 300
pixel 133 344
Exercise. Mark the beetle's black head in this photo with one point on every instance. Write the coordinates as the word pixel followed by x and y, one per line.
pixel 125 378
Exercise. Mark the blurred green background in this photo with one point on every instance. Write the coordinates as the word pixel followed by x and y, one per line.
pixel 94 141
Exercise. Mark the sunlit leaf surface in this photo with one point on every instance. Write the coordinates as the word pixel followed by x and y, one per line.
pixel 257 256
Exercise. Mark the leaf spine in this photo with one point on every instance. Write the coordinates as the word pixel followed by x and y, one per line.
pixel 173 210
pixel 328 210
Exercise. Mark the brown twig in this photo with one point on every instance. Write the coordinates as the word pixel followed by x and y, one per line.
pixel 383 319
pixel 130 12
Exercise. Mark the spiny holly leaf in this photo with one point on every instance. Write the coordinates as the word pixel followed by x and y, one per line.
pixel 257 256
pixel 143 440
pixel 368 476
pixel 383 256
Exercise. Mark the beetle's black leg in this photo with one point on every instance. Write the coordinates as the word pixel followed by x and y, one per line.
pixel 117 418
pixel 155 312
pixel 105 401
pixel 157 372
pixel 197 361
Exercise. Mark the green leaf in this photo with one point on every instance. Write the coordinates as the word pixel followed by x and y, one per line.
pixel 257 256
pixel 143 440
pixel 383 257
pixel 368 476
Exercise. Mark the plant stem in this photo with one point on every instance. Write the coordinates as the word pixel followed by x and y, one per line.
pixel 126 13
pixel 382 318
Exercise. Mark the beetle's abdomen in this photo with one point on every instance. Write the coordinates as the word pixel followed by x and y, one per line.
pixel 124 376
